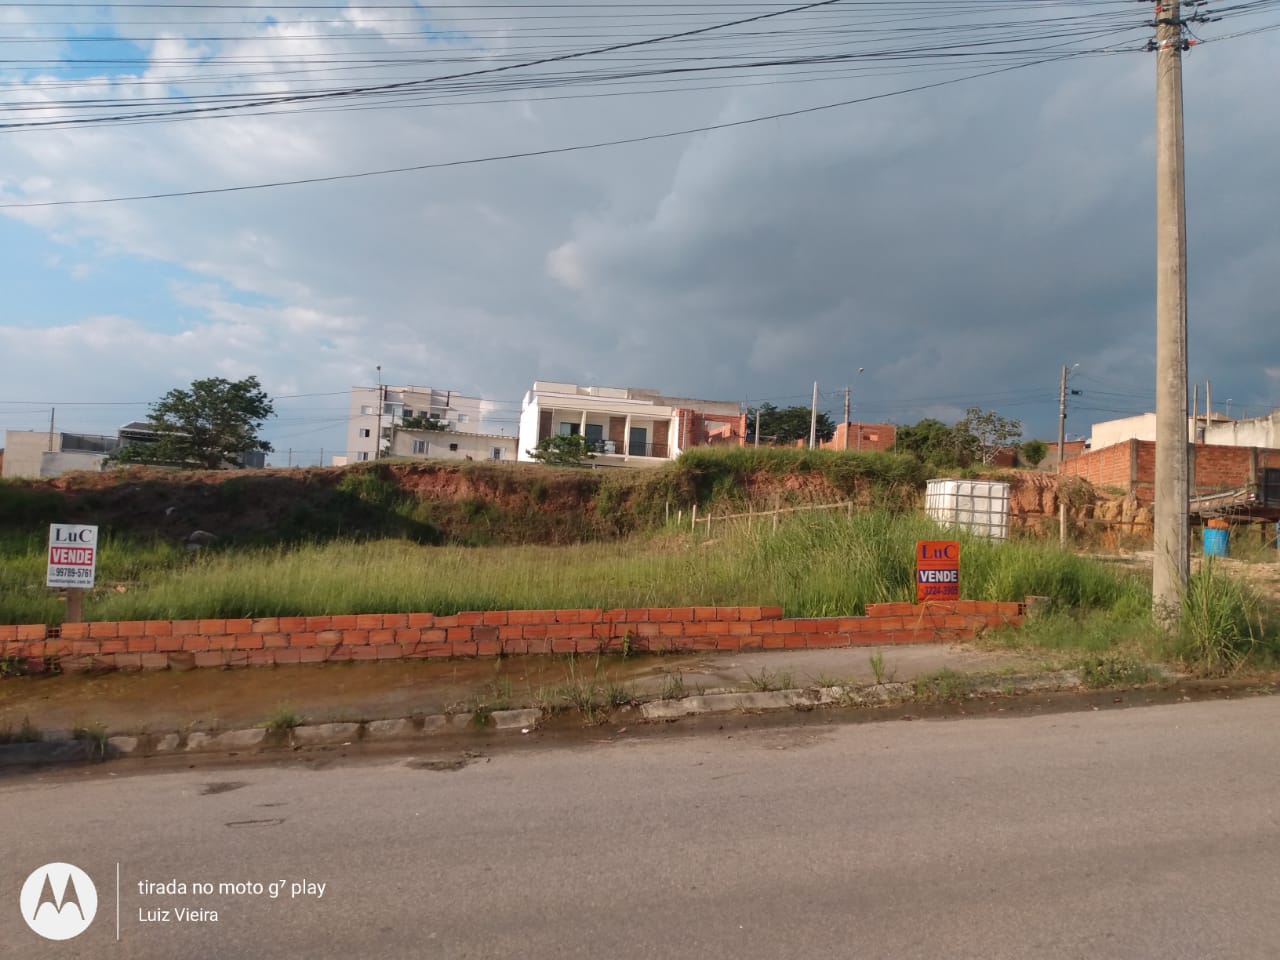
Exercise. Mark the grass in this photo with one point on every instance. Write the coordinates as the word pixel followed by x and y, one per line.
pixel 769 680
pixel 876 661
pixel 673 687
pixel 1223 622
pixel 283 720
pixel 27 733
pixel 814 565
pixel 1115 670
pixel 96 738
pixel 945 684
pixel 618 694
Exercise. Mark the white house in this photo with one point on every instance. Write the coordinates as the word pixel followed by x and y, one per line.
pixel 624 426
pixel 377 413
pixel 1213 429
pixel 451 445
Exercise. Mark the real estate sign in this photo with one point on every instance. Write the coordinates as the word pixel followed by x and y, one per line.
pixel 73 555
pixel 937 570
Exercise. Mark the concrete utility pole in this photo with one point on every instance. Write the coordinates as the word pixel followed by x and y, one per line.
pixel 1062 417
pixel 813 418
pixel 757 426
pixel 377 440
pixel 1172 524
pixel 846 418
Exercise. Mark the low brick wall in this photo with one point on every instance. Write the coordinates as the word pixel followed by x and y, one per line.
pixel 159 644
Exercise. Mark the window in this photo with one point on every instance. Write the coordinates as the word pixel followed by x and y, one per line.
pixel 495 453
pixel 408 411
pixel 420 446
pixel 1270 487
pixel 366 410
pixel 569 429
pixel 389 409
pixel 362 455
pixel 462 418
pixel 453 448
pixel 365 432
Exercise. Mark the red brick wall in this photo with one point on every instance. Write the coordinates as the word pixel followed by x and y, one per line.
pixel 1216 468
pixel 1221 468
pixel 874 436
pixel 157 644
pixel 1108 467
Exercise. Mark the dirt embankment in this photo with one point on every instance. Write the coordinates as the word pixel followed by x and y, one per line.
pixel 1035 499
pixel 472 503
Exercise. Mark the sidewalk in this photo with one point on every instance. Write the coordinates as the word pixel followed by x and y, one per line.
pixel 162 702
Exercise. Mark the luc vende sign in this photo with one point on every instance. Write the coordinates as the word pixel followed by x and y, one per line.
pixel 937 570
pixel 73 555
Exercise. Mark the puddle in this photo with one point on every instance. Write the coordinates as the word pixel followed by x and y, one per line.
pixel 445 766
pixel 231 699
pixel 223 786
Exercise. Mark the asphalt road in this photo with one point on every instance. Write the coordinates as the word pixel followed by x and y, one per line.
pixel 1130 833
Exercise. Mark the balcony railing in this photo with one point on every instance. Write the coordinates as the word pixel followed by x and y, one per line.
pixel 632 449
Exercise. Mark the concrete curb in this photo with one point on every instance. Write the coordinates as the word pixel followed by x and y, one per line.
pixel 63 747
pixel 850 696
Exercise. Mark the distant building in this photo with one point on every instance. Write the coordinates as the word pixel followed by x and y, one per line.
pixel 137 432
pixel 1221 475
pixel 862 436
pixel 451 445
pixel 378 413
pixel 626 426
pixel 1211 429
pixel 32 454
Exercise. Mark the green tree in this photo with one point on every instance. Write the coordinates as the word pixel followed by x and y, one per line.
pixel 933 442
pixel 423 423
pixel 990 430
pixel 785 425
pixel 1033 451
pixel 211 425
pixel 563 450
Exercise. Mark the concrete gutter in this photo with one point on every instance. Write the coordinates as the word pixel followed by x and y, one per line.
pixel 64 747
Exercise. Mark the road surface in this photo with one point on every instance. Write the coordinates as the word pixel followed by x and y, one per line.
pixel 1127 833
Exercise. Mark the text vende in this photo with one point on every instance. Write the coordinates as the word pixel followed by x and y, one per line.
pixel 71 556
pixel 937 576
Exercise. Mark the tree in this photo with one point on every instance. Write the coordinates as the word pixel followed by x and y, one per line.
pixel 424 423
pixel 563 450
pixel 212 425
pixel 787 424
pixel 933 442
pixel 1033 451
pixel 990 430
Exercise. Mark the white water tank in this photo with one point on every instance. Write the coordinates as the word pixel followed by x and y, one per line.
pixel 979 506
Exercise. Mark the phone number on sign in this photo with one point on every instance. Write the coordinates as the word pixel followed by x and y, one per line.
pixel 73 573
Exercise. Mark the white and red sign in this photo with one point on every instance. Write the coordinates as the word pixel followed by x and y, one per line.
pixel 73 555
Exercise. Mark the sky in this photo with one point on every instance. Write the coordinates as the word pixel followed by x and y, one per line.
pixel 978 213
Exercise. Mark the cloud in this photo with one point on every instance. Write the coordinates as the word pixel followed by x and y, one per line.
pixel 959 244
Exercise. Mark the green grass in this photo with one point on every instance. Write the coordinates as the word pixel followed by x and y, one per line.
pixel 1115 670
pixel 283 719
pixel 818 564
pixel 1223 623
pixel 946 684
pixel 27 733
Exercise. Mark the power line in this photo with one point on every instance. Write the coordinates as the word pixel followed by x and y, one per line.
pixel 550 151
